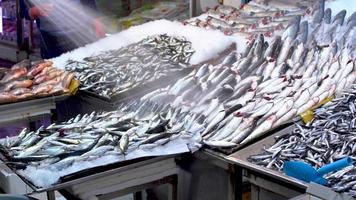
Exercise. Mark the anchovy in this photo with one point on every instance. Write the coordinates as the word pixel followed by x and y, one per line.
pixel 116 71
pixel 328 137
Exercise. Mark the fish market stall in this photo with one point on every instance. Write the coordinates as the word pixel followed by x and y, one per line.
pixel 118 179
pixel 265 178
pixel 45 158
pixel 335 124
pixel 180 95
pixel 174 142
pixel 250 19
pixel 257 173
pixel 249 94
pixel 205 44
pixel 246 96
pixel 31 89
pixel 116 73
pixel 143 58
pixel 131 178
pixel 320 142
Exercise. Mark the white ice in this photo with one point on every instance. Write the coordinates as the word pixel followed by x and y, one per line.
pixel 339 5
pixel 45 177
pixel 206 43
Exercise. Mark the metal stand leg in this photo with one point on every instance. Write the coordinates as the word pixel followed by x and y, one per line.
pixel 238 183
pixel 137 195
pixel 192 8
pixel 231 189
pixel 50 195
pixel 173 189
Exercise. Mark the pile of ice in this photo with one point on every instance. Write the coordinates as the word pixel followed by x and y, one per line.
pixel 206 43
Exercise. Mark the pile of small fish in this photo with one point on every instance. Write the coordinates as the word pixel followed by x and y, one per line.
pixel 116 71
pixel 250 20
pixel 28 79
pixel 137 125
pixel 330 136
pixel 175 48
pixel 266 86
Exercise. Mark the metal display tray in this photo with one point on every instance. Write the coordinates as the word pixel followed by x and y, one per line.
pixel 240 158
pixel 33 101
pixel 30 109
pixel 88 174
pixel 150 86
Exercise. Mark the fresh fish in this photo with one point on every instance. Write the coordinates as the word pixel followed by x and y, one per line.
pixel 229 128
pixel 220 144
pixel 318 12
pixel 242 131
pixel 272 48
pixel 287 45
pixel 112 72
pixel 302 99
pixel 320 142
pixel 265 126
pixel 327 16
pixel 124 142
pixel 213 122
pixel 292 29
pixel 288 116
pixel 312 102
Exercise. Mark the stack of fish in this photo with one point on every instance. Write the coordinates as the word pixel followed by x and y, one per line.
pixel 32 80
pixel 269 85
pixel 175 48
pixel 329 137
pixel 138 125
pixel 116 71
pixel 250 20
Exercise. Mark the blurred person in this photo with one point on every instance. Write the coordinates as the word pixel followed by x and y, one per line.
pixel 64 25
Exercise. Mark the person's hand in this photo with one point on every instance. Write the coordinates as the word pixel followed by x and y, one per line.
pixel 99 28
pixel 42 10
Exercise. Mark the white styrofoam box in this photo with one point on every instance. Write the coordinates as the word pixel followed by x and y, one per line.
pixel 10 183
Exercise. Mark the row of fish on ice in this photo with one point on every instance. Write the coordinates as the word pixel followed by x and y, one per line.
pixel 142 126
pixel 116 71
pixel 250 19
pixel 269 84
